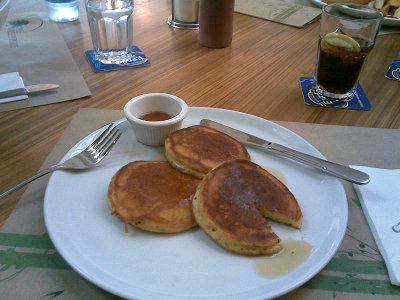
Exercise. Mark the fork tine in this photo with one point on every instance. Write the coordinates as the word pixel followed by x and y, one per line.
pixel 100 137
pixel 97 148
pixel 104 151
pixel 109 141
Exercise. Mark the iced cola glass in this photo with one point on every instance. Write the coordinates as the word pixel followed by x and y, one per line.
pixel 110 23
pixel 347 34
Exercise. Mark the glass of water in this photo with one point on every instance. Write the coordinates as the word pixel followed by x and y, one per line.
pixel 111 25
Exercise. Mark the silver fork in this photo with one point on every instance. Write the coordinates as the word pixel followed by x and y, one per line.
pixel 86 159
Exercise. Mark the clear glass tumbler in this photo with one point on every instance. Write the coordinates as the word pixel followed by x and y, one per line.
pixel 111 26
pixel 347 35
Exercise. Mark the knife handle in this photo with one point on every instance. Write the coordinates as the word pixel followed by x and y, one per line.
pixel 338 170
pixel 41 87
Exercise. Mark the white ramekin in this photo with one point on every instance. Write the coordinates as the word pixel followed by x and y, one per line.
pixel 154 133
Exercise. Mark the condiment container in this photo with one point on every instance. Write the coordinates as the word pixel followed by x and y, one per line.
pixel 216 23
pixel 154 133
pixel 185 14
pixel 62 10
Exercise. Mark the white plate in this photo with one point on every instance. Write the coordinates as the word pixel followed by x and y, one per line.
pixel 387 21
pixel 187 265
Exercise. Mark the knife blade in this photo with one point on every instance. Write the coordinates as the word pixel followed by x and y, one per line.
pixel 332 168
pixel 28 89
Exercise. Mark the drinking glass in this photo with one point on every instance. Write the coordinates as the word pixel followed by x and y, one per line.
pixel 111 25
pixel 347 34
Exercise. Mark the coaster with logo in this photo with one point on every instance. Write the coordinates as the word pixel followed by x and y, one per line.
pixel 394 70
pixel 138 60
pixel 359 101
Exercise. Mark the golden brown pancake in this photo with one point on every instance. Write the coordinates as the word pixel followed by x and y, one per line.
pixel 234 200
pixel 153 196
pixel 197 149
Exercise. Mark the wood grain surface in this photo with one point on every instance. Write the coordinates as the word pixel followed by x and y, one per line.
pixel 258 74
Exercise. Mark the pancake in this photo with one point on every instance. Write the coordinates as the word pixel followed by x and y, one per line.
pixel 153 196
pixel 233 201
pixel 197 149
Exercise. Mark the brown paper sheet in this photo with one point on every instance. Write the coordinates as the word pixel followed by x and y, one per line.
pixel 356 271
pixel 34 46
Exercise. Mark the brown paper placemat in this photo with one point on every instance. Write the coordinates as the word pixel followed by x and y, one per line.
pixel 30 267
pixel 34 46
pixel 279 11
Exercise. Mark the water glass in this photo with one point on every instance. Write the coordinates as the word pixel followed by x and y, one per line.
pixel 347 35
pixel 111 25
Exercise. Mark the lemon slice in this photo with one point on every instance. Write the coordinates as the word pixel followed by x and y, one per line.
pixel 338 40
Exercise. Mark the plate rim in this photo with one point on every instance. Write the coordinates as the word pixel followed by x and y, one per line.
pixel 387 21
pixel 321 263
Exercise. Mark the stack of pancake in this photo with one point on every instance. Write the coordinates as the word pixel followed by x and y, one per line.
pixel 208 180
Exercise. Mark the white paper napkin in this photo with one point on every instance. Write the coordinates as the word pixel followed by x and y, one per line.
pixel 11 81
pixel 380 200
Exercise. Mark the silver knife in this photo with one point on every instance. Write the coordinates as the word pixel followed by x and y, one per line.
pixel 28 89
pixel 337 170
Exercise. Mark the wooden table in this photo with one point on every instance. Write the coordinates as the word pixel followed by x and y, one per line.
pixel 258 74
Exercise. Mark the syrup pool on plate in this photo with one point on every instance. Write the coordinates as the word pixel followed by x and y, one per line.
pixel 276 173
pixel 294 253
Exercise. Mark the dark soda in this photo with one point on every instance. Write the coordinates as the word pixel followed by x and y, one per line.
pixel 338 67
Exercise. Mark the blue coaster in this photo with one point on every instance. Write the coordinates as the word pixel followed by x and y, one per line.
pixel 394 70
pixel 359 101
pixel 138 60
